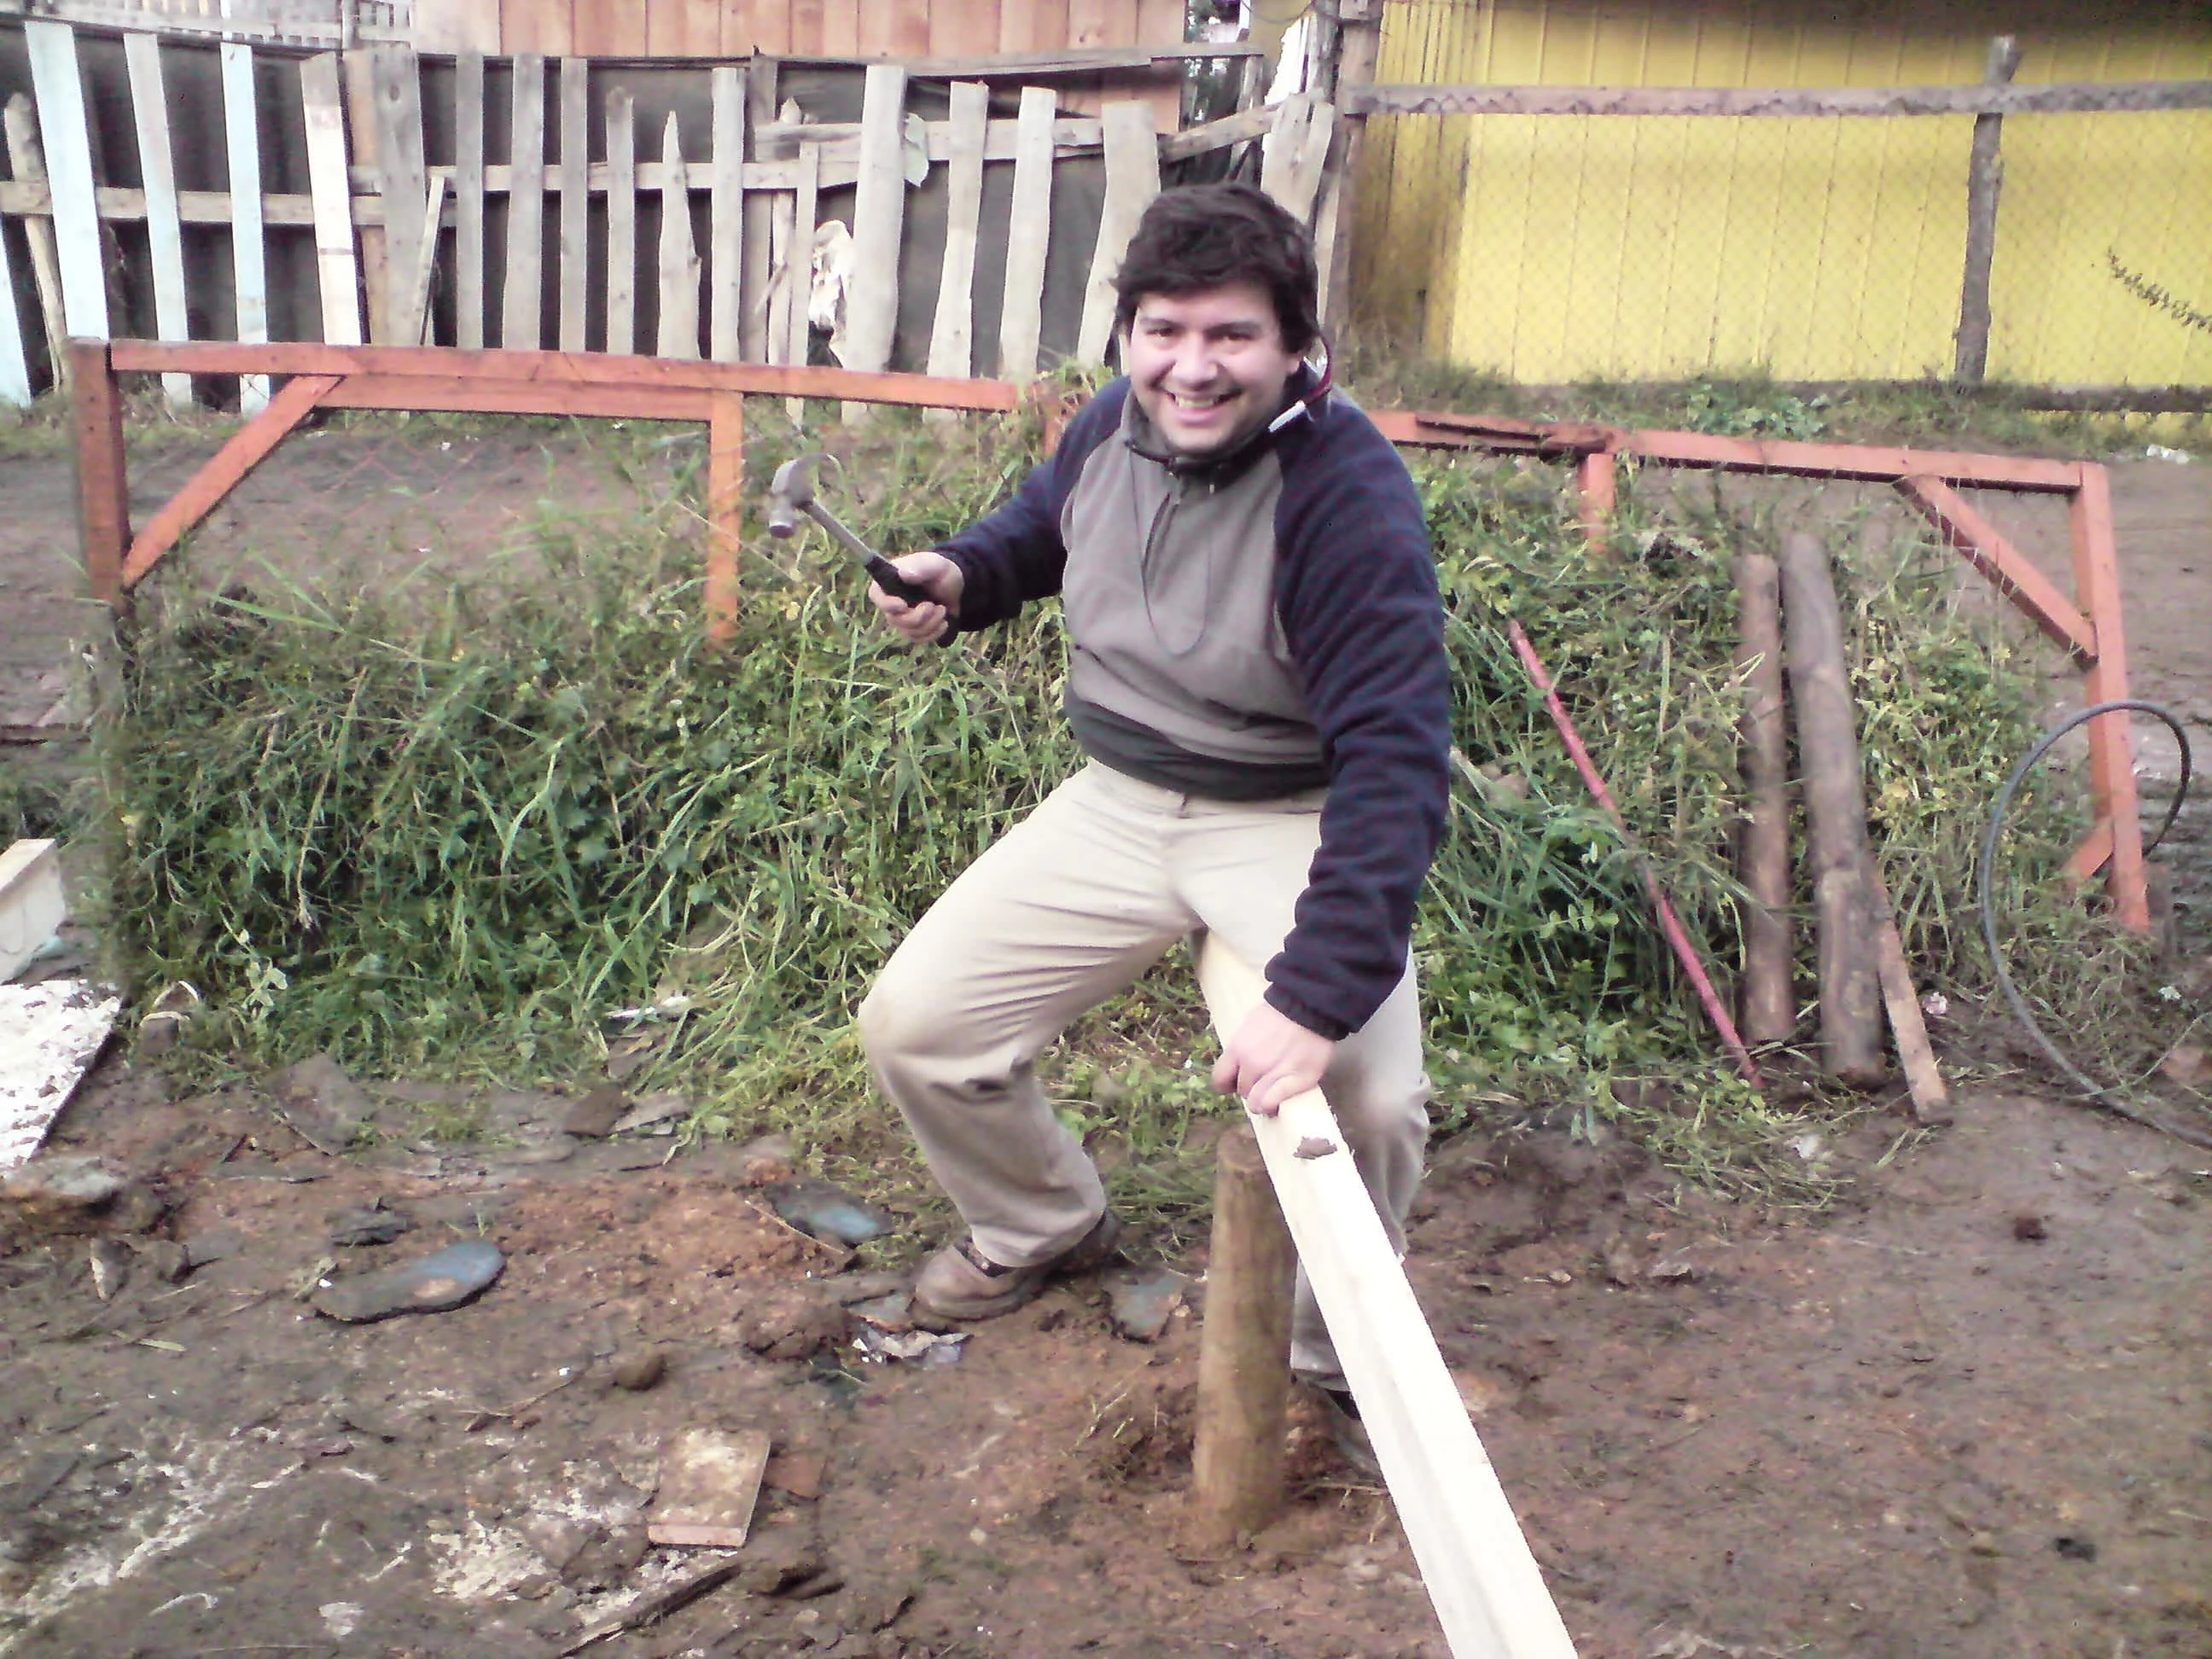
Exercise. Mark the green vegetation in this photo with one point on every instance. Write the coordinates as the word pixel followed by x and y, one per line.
pixel 452 832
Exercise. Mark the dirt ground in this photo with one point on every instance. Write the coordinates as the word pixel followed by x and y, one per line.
pixel 1967 1412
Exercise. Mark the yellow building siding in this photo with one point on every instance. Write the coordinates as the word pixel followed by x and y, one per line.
pixel 1557 248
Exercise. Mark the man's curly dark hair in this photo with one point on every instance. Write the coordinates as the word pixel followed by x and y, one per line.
pixel 1203 236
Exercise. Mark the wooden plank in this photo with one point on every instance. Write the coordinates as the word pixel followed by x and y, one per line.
pixel 755 234
pixel 622 220
pixel 725 256
pixel 249 271
pixel 1021 314
pixel 1235 129
pixel 1765 1000
pixel 2111 745
pixel 2052 99
pixel 59 93
pixel 1032 27
pixel 415 328
pixel 1813 460
pixel 1985 547
pixel 521 303
pixel 726 493
pixel 103 506
pixel 402 180
pixel 1984 180
pixel 1923 1078
pixel 559 370
pixel 1481 1576
pixel 15 363
pixel 799 333
pixel 28 161
pixel 1328 215
pixel 469 200
pixel 1293 154
pixel 679 257
pixel 1162 23
pixel 337 276
pixel 879 218
pixel 462 26
pixel 1133 178
pixel 968 30
pixel 951 339
pixel 358 70
pixel 841 28
pixel 701 24
pixel 576 200
pixel 222 472
pixel 473 394
pixel 165 240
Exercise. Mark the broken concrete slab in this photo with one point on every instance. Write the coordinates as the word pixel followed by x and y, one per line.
pixel 50 1035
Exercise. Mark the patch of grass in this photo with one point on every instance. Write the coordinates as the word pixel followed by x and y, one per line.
pixel 444 833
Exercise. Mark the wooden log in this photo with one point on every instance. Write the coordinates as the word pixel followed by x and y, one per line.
pixel 469 200
pixel 1984 180
pixel 249 270
pixel 27 159
pixel 679 259
pixel 403 183
pixel 622 221
pixel 1021 314
pixel 1243 1354
pixel 66 141
pixel 165 240
pixel 1835 813
pixel 726 488
pixel 2061 98
pixel 878 216
pixel 2112 745
pixel 726 217
pixel 951 339
pixel 522 302
pixel 1481 1576
pixel 338 278
pixel 103 496
pixel 1769 1004
pixel 576 200
pixel 222 471
pixel 1133 178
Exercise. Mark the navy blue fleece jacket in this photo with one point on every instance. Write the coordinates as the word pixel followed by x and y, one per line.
pixel 1355 590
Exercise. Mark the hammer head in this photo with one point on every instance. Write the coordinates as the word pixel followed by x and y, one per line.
pixel 790 492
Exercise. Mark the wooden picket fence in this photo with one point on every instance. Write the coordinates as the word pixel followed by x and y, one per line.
pixel 765 266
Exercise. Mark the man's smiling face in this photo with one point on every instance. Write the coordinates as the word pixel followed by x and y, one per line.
pixel 1208 369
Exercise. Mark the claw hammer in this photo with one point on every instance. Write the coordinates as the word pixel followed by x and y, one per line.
pixel 791 493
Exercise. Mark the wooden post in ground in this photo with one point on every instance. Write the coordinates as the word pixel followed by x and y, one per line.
pixel 1769 1006
pixel 102 495
pixel 1835 813
pixel 2112 745
pixel 1984 178
pixel 1360 39
pixel 725 484
pixel 1243 1355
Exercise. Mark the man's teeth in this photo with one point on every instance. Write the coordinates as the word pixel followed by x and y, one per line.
pixel 1184 401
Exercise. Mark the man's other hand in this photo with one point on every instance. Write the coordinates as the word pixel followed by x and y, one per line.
pixel 1270 1058
pixel 928 619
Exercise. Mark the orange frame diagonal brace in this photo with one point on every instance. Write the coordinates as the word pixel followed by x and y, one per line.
pixel 666 389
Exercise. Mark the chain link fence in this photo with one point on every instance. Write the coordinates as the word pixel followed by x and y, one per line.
pixel 1552 248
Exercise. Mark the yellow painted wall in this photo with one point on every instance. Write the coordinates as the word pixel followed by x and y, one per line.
pixel 1557 248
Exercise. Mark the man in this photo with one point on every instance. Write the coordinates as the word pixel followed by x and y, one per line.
pixel 1257 674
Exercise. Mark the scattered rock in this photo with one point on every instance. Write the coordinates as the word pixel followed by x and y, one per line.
pixel 2184 1065
pixel 61 1194
pixel 652 1110
pixel 368 1223
pixel 781 1557
pixel 640 1369
pixel 433 1284
pixel 163 1024
pixel 827 1212
pixel 801 1474
pixel 2029 1228
pixel 594 1116
pixel 1141 1300
pixel 325 1107
pixel 111 1267
pixel 1676 1271
pixel 215 1244
pixel 2075 1547
pixel 165 1259
pixel 850 1290
pixel 606 1561
pixel 788 1322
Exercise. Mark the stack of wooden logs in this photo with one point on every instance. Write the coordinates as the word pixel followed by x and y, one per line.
pixel 1861 965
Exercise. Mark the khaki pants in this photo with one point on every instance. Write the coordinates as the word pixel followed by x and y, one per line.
pixel 1067 908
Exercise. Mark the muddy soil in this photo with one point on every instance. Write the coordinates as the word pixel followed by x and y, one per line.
pixel 1963 1413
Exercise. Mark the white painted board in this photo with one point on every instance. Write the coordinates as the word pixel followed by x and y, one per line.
pixel 59 93
pixel 165 240
pixel 50 1035
pixel 242 135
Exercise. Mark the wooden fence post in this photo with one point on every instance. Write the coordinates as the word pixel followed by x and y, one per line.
pixel 725 485
pixel 1243 1355
pixel 102 496
pixel 1985 177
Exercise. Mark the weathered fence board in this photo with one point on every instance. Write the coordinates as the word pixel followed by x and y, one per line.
pixel 520 305
pixel 241 128
pixel 338 277
pixel 1021 316
pixel 1133 178
pixel 165 237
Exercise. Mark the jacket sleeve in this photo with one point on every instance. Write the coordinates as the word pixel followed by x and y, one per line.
pixel 1015 554
pixel 1357 591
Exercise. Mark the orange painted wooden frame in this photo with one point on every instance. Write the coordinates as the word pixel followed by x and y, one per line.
pixel 659 388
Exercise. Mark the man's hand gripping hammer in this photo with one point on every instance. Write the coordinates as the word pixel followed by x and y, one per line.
pixel 791 493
